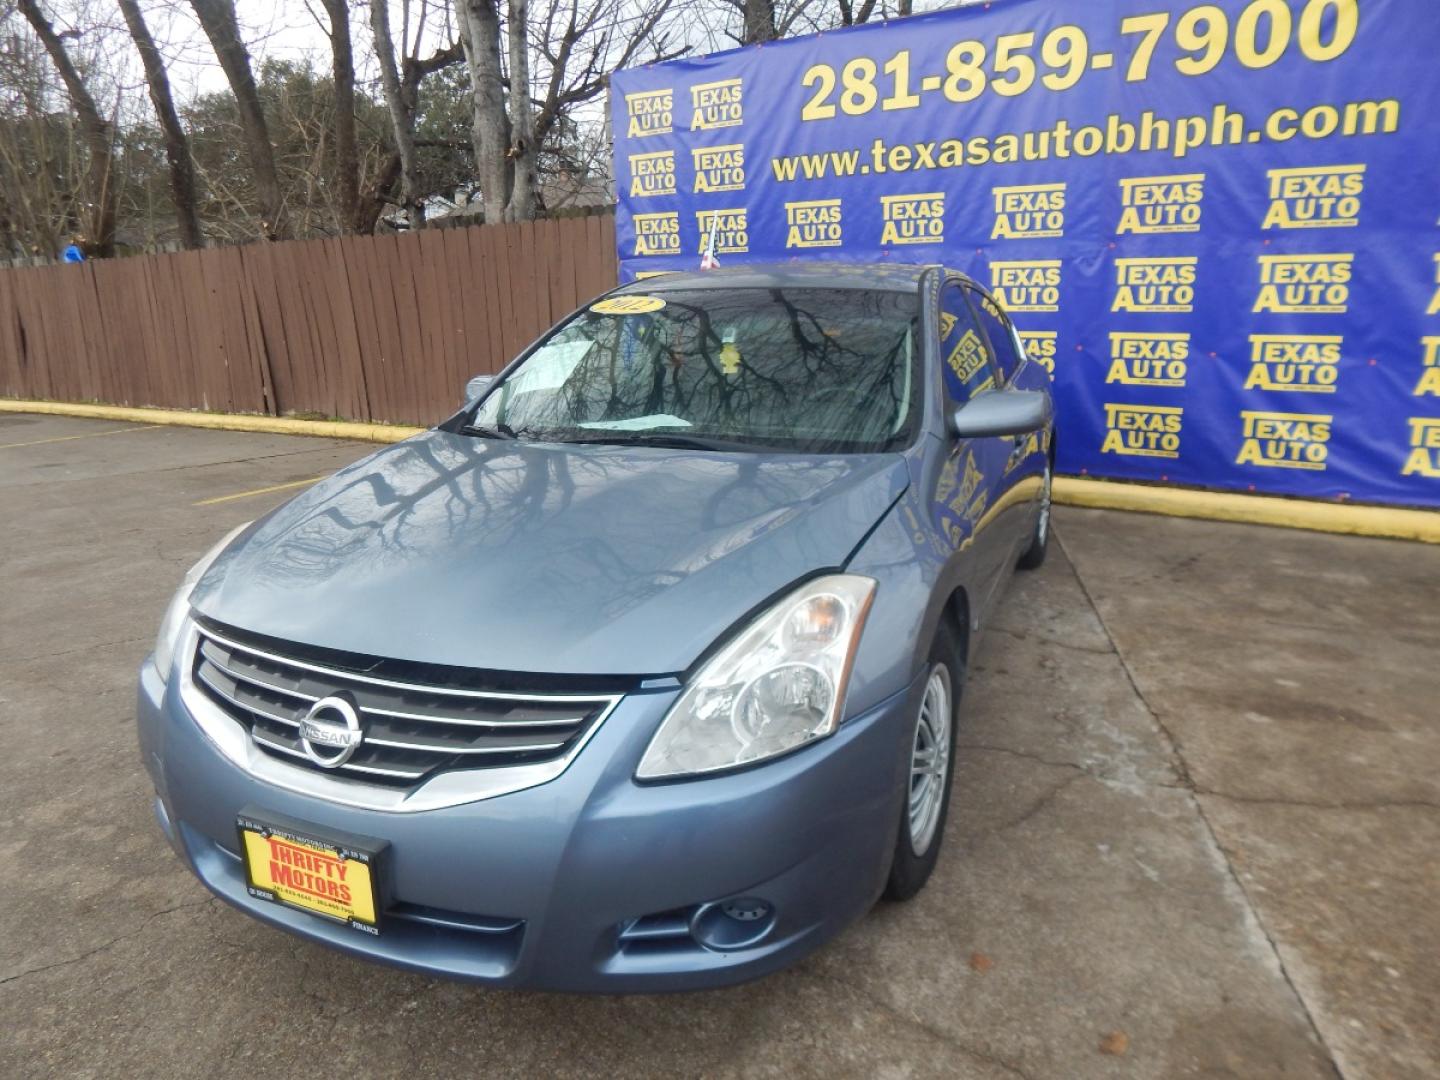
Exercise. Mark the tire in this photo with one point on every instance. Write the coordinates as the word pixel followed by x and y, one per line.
pixel 915 856
pixel 1034 554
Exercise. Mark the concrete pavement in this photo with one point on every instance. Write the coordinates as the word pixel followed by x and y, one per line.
pixel 1194 828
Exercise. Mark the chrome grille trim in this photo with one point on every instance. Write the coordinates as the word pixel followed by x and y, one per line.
pixel 372 740
pixel 242 705
pixel 380 711
pixel 334 673
pixel 272 744
pixel 283 748
pixel 422 747
pixel 253 682
pixel 270 760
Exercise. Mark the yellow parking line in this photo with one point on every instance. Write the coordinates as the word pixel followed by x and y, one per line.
pixel 87 435
pixel 258 491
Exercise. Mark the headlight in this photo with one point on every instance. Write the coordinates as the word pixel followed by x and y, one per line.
pixel 179 608
pixel 780 683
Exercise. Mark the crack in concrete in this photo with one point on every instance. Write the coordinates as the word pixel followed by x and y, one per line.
pixel 69 652
pixel 140 929
pixel 1012 752
pixel 1020 635
pixel 1187 781
pixel 301 955
pixel 1083 769
pixel 1313 804
pixel 945 1038
pixel 1040 804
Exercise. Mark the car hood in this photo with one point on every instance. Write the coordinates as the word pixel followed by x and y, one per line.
pixel 517 556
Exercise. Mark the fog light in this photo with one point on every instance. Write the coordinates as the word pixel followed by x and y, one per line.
pixel 733 924
pixel 747 910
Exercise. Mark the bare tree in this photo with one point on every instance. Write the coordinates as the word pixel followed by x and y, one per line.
pixel 291 150
pixel 402 72
pixel 42 166
pixel 217 19
pixel 716 24
pixel 853 15
pixel 402 112
pixel 580 42
pixel 96 130
pixel 177 146
pixel 342 73
pixel 759 24
pixel 480 34
pixel 767 20
pixel 522 151
pixel 582 48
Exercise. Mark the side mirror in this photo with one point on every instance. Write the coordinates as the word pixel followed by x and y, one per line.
pixel 1001 412
pixel 475 387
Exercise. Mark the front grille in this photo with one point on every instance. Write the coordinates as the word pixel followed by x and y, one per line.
pixel 412 730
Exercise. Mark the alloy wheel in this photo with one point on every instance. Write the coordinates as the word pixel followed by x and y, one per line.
pixel 930 760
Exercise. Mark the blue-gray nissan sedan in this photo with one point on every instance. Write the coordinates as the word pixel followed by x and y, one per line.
pixel 642 671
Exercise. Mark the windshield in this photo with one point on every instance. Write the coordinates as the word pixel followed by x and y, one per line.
pixel 818 370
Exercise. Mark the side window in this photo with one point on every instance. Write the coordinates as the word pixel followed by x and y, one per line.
pixel 997 327
pixel 963 359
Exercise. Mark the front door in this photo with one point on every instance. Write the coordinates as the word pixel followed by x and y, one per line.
pixel 1014 509
pixel 974 470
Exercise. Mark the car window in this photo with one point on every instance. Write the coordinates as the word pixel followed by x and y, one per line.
pixel 965 364
pixel 808 370
pixel 997 328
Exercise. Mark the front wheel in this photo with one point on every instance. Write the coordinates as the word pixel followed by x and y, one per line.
pixel 1034 555
pixel 927 780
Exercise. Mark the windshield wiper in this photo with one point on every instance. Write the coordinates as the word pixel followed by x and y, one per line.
pixel 499 431
pixel 660 438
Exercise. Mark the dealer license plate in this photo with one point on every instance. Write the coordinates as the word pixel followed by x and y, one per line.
pixel 325 875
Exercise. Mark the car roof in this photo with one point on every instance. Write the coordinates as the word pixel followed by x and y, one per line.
pixel 887 277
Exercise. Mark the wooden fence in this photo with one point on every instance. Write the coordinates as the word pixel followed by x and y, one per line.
pixel 360 327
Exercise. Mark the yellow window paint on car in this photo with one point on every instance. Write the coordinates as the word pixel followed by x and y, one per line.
pixel 627 305
pixel 730 358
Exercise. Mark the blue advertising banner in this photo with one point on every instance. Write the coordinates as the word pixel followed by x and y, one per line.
pixel 1218 224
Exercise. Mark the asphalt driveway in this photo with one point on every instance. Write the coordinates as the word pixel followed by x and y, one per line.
pixel 1196 828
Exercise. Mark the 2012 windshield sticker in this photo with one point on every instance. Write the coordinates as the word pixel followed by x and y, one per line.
pixel 627 305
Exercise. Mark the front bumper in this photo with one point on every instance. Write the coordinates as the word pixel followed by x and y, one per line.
pixel 590 882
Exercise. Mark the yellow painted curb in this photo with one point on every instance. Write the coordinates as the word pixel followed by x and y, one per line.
pixel 1383 521
pixel 273 425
